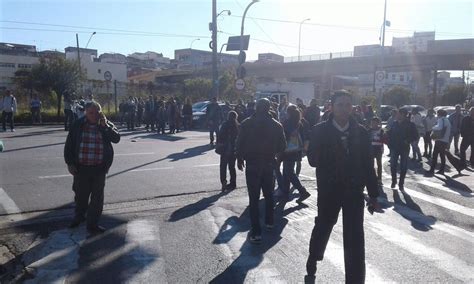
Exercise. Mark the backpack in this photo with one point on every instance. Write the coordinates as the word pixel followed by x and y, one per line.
pixel 294 142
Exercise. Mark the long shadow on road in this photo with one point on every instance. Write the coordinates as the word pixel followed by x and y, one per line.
pixel 251 256
pixel 186 154
pixel 60 254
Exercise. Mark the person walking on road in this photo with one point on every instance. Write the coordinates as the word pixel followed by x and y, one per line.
pixel 455 120
pixel 187 114
pixel 214 117
pixel 400 136
pixel 467 133
pixel 88 153
pixel 418 121
pixel 429 121
pixel 377 138
pixel 260 139
pixel 8 107
pixel 339 149
pixel 225 147
pixel 295 136
pixel 441 134
pixel 150 113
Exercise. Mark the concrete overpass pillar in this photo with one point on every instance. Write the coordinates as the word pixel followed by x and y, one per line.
pixel 422 85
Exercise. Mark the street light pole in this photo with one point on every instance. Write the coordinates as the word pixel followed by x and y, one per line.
pixel 215 75
pixel 242 26
pixel 299 39
pixel 191 46
pixel 384 23
pixel 90 39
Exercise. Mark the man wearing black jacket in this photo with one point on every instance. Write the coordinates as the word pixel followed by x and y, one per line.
pixel 467 133
pixel 89 154
pixel 260 139
pixel 400 136
pixel 339 149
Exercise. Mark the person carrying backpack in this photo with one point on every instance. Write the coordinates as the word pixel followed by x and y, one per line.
pixel 295 136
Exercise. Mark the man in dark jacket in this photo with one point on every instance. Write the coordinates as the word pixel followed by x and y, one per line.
pixel 400 136
pixel 214 118
pixel 89 154
pixel 150 113
pixel 467 133
pixel 339 149
pixel 260 139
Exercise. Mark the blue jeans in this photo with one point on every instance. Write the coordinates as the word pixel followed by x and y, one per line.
pixel 394 155
pixel 289 176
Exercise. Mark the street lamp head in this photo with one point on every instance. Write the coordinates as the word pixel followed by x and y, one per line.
pixel 228 13
pixel 93 33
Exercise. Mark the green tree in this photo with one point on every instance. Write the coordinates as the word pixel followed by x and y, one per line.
pixel 455 94
pixel 397 96
pixel 198 88
pixel 53 73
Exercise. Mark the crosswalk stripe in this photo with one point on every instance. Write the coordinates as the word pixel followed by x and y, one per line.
pixel 450 264
pixel 7 203
pixel 443 188
pixel 439 202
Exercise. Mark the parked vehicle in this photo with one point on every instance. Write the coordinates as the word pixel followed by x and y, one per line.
pixel 421 109
pixel 385 112
pixel 199 113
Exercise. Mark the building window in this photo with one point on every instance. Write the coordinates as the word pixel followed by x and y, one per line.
pixel 394 77
pixel 24 66
pixel 99 71
pixel 402 78
pixel 7 65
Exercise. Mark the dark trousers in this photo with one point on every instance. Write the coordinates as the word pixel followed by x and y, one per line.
pixel 213 128
pixel 259 176
pixel 88 184
pixel 227 162
pixel 330 201
pixel 187 121
pixel 68 118
pixel 278 175
pixel 150 121
pixel 439 149
pixel 466 143
pixel 7 116
pixel 394 155
pixel 456 142
pixel 428 143
pixel 131 121
pixel 289 176
pixel 161 125
pixel 35 115
pixel 378 160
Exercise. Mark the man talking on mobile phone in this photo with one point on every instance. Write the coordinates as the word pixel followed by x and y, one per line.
pixel 89 154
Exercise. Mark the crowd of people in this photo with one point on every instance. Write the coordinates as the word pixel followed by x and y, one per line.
pixel 156 114
pixel 342 142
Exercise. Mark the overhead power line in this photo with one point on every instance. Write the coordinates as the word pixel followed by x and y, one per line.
pixel 346 26
pixel 126 32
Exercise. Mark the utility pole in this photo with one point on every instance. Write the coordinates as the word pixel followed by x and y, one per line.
pixel 215 75
pixel 384 21
pixel 78 53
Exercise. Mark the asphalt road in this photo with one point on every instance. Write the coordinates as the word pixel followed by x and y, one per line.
pixel 168 222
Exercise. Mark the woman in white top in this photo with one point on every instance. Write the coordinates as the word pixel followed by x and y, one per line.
pixel 443 128
pixel 429 122
pixel 420 127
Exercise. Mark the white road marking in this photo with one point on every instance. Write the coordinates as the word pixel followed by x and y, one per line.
pixel 444 188
pixel 7 203
pixel 134 154
pixel 438 201
pixel 450 264
pixel 54 176
pixel 307 177
pixel 418 217
pixel 208 165
pixel 152 169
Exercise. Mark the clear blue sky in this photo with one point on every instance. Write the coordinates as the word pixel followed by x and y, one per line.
pixel 335 25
